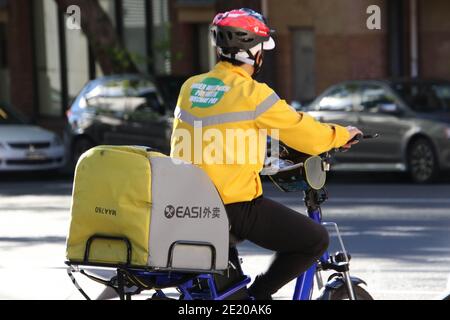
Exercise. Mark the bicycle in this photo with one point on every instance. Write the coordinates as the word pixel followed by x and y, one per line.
pixel 309 177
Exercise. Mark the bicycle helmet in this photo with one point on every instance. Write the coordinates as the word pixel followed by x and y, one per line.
pixel 241 34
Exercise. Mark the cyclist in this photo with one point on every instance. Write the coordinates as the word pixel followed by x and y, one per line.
pixel 228 98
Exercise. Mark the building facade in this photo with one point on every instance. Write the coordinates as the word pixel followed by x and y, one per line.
pixel 44 64
pixel 321 42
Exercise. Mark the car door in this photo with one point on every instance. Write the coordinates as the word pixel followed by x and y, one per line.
pixel 380 111
pixel 337 106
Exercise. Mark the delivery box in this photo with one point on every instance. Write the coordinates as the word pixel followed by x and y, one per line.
pixel 135 207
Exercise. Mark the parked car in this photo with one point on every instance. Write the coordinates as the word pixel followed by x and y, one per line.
pixel 25 147
pixel 411 116
pixel 117 110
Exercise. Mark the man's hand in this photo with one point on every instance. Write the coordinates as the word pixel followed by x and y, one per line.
pixel 353 132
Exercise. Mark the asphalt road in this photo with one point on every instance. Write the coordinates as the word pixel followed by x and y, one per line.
pixel 398 235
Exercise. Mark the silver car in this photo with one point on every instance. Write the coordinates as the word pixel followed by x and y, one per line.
pixel 25 147
pixel 411 116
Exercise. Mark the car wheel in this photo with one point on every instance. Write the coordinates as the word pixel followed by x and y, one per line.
pixel 422 161
pixel 80 146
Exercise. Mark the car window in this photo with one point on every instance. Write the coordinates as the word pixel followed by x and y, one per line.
pixel 373 96
pixel 125 96
pixel 108 97
pixel 10 116
pixel 424 97
pixel 443 94
pixel 341 98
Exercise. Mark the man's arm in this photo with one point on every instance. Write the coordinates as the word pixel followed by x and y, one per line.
pixel 299 131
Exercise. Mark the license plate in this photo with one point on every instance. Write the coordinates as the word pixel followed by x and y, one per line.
pixel 36 156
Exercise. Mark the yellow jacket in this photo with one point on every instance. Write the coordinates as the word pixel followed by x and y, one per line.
pixel 216 109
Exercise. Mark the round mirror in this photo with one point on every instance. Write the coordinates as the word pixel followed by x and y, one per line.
pixel 314 173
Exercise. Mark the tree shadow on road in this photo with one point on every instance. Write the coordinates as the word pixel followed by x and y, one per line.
pixel 13 243
pixel 379 178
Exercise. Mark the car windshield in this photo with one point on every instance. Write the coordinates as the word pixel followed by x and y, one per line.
pixel 125 95
pixel 10 116
pixel 429 97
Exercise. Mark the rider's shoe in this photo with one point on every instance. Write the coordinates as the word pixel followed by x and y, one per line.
pixel 258 291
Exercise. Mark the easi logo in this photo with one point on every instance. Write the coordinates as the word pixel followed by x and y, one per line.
pixel 186 212
pixel 207 93
pixel 106 211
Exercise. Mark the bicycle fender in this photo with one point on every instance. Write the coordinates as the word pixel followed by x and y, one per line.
pixel 335 284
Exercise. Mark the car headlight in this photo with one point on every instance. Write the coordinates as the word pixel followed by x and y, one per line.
pixel 56 141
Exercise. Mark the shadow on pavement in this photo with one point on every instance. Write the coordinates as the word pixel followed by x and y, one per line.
pixel 32 176
pixel 413 241
pixel 379 178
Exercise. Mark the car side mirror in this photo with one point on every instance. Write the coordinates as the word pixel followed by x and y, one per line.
pixel 389 108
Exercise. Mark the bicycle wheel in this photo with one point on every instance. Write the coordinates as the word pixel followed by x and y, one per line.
pixel 342 294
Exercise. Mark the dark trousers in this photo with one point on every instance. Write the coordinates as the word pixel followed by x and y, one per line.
pixel 297 240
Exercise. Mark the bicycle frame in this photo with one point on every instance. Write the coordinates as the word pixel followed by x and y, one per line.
pixel 305 282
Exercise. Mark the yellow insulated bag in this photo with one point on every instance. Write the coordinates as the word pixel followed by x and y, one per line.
pixel 134 207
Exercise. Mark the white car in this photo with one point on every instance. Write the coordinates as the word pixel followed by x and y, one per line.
pixel 26 147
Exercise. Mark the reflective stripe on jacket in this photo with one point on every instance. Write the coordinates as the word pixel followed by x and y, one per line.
pixel 227 102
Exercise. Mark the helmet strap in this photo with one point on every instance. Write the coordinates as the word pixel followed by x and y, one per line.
pixel 257 66
pixel 251 60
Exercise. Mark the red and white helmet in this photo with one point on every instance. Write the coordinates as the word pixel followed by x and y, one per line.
pixel 240 34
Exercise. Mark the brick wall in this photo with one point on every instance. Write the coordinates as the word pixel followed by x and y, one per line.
pixel 344 47
pixel 20 56
pixel 434 39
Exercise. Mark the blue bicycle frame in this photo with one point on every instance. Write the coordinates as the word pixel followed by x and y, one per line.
pixel 303 288
pixel 305 282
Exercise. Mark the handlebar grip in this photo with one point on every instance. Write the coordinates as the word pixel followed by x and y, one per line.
pixel 358 137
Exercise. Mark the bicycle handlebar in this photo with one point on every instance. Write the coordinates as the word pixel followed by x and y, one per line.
pixel 358 138
pixel 325 157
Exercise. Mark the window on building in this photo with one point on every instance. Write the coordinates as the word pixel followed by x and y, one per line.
pixel 134 32
pixel 3 46
pixel 4 75
pixel 161 37
pixel 77 53
pixel 47 50
pixel 303 65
